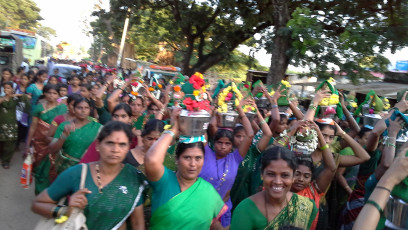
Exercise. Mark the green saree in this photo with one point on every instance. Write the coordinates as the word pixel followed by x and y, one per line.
pixel 111 208
pixel 194 208
pixel 300 212
pixel 75 145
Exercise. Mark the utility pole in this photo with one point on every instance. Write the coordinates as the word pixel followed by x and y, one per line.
pixel 122 41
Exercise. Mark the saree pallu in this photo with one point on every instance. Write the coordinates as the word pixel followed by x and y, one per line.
pixel 40 142
pixel 111 208
pixel 75 145
pixel 300 212
pixel 194 208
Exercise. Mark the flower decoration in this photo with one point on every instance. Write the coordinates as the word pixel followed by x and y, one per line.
pixel 151 89
pixel 160 86
pixel 286 84
pixel 353 104
pixel 61 219
pixel 197 80
pixel 248 108
pixel 332 104
pixel 191 94
pixel 134 93
pixel 230 93
pixel 304 142
pixel 154 84
pixel 177 88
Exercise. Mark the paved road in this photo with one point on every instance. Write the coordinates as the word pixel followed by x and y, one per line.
pixel 15 202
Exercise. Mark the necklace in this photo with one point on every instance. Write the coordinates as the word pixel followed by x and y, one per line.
pixel 98 178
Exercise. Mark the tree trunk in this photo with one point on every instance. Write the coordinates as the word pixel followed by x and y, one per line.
pixel 281 43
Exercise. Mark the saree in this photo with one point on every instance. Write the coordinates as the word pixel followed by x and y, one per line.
pixel 111 208
pixel 299 212
pixel 40 144
pixel 194 208
pixel 75 145
pixel 40 141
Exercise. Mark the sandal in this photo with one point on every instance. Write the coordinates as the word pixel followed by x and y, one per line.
pixel 6 165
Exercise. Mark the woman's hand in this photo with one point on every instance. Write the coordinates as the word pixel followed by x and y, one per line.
pixel 68 129
pixel 78 199
pixel 402 105
pixel 339 130
pixel 398 170
pixel 175 114
pixel 276 95
pixel 320 94
pixel 395 126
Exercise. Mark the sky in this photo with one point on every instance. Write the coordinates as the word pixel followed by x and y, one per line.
pixel 67 18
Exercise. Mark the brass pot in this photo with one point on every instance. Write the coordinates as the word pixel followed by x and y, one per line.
pixel 250 115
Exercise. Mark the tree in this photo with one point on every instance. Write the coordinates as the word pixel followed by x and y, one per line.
pixel 326 34
pixel 200 33
pixel 46 32
pixel 22 14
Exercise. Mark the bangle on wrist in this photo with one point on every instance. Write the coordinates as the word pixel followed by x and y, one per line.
pixel 388 144
pixel 262 122
pixel 377 206
pixel 274 106
pixel 312 107
pixel 383 188
pixel 326 146
pixel 172 134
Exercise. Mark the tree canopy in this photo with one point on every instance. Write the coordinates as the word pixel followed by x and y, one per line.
pixel 22 14
pixel 318 34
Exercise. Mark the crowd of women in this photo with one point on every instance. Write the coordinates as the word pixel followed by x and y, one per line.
pixel 142 175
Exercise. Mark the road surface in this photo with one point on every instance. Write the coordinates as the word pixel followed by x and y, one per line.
pixel 15 202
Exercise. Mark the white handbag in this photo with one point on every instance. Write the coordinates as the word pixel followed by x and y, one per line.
pixel 77 219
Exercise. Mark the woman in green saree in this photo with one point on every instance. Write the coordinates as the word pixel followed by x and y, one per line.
pixel 180 200
pixel 275 207
pixel 44 114
pixel 73 138
pixel 112 193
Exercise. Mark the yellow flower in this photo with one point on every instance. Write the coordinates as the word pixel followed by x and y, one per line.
pixel 331 80
pixel 198 74
pixel 61 219
pixel 167 127
pixel 334 99
pixel 196 92
pixel 285 83
pixel 236 102
pixel 272 93
pixel 171 82
pixel 245 109
pixel 325 102
pixel 353 104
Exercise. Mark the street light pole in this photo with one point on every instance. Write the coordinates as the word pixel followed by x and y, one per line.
pixel 122 41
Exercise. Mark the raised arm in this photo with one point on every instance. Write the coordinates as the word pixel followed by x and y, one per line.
pixel 320 94
pixel 352 122
pixel 246 143
pixel 296 112
pixel 113 99
pixel 275 116
pixel 157 152
pixel 152 98
pixel 388 152
pixel 369 215
pixel 330 167
pixel 360 154
pixel 266 131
